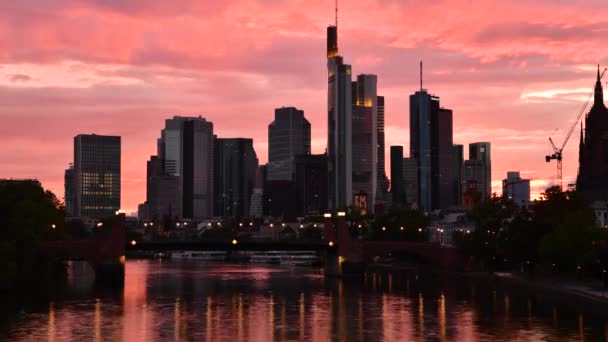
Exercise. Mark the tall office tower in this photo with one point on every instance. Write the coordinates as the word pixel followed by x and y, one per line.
pixel 592 177
pixel 339 125
pixel 422 109
pixel 257 209
pixel 442 160
pixel 163 192
pixel 410 181
pixel 382 183
pixel 311 184
pixel 431 145
pixel 457 169
pixel 186 151
pixel 96 175
pixel 236 166
pixel 397 191
pixel 364 141
pixel 288 136
pixel 517 189
pixel 481 151
pixel 69 194
pixel 474 181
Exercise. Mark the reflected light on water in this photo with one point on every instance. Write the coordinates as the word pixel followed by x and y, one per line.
pixel 181 301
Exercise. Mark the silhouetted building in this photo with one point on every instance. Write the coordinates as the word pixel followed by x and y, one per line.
pixel 311 184
pixel 257 197
pixel 592 177
pixel 431 145
pixel 163 192
pixel 279 200
pixel 517 189
pixel 397 191
pixel 69 191
pixel 96 175
pixel 457 174
pixel 474 180
pixel 236 166
pixel 180 177
pixel 339 125
pixel 410 181
pixel 364 141
pixel 481 151
pixel 288 136
pixel 383 182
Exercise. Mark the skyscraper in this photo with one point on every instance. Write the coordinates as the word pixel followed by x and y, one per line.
pixel 339 125
pixel 163 192
pixel 410 180
pixel 481 151
pixel 236 166
pixel 457 173
pixel 592 177
pixel 96 175
pixel 311 184
pixel 364 140
pixel 185 152
pixel 397 191
pixel 517 189
pixel 70 193
pixel 288 136
pixel 382 183
pixel 431 141
pixel 474 181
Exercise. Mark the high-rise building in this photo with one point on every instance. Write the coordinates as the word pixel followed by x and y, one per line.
pixel 481 151
pixel 364 140
pixel 96 175
pixel 382 183
pixel 236 167
pixel 339 125
pixel 397 191
pixel 592 177
pixel 70 193
pixel 431 146
pixel 474 181
pixel 410 181
pixel 163 192
pixel 180 180
pixel 517 189
pixel 288 136
pixel 457 173
pixel 311 184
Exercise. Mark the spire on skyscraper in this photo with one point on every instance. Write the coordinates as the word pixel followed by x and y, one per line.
pixel 598 99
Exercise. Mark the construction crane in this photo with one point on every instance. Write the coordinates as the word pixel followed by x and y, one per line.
pixel 557 152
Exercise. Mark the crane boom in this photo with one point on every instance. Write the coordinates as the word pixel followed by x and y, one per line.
pixel 580 113
pixel 557 152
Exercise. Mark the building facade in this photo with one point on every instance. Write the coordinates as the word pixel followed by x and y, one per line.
pixel 457 173
pixel 382 182
pixel 481 151
pixel 397 191
pixel 474 180
pixel 236 167
pixel 364 141
pixel 339 126
pixel 288 136
pixel 311 184
pixel 96 175
pixel 517 189
pixel 69 197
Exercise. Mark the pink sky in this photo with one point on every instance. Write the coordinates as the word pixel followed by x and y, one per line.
pixel 514 72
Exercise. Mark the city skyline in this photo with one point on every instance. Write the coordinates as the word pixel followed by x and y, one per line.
pixel 128 92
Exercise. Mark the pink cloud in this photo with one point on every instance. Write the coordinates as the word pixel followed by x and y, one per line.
pixel 122 67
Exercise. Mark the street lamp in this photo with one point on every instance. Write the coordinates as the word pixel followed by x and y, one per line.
pixel 53 226
pixel 331 243
pixel 99 224
pixel 234 242
pixel 133 242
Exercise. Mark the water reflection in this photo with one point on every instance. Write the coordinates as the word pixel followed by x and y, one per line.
pixel 181 301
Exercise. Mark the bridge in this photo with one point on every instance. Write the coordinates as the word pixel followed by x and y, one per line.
pixel 348 254
pixel 105 254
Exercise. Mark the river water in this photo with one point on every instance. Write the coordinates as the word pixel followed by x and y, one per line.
pixel 182 301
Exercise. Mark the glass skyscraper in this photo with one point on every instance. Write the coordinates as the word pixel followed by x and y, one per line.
pixel 288 136
pixel 96 175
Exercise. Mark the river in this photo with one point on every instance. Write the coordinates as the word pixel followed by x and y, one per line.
pixel 182 301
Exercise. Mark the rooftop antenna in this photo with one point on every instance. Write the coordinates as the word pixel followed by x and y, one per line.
pixel 420 75
pixel 336 13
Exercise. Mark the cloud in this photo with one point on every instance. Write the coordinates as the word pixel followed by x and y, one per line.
pixel 18 78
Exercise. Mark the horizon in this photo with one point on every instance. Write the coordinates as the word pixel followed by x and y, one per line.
pixel 132 67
